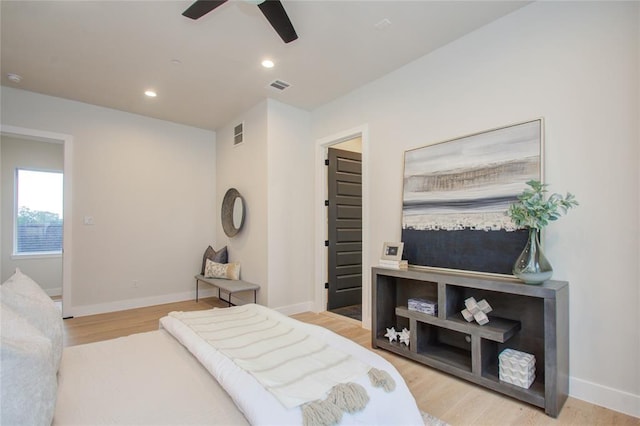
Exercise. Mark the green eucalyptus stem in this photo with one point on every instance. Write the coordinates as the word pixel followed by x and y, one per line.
pixel 534 211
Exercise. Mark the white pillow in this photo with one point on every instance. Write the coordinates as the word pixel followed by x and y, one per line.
pixel 28 381
pixel 25 297
pixel 229 271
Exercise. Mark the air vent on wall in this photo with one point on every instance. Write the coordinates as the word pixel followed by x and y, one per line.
pixel 238 134
pixel 279 84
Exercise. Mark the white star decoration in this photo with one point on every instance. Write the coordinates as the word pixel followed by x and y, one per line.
pixel 404 336
pixel 392 334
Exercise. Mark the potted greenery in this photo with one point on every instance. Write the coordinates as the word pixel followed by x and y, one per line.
pixel 533 211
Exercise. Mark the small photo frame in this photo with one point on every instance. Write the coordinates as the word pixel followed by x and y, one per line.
pixel 392 251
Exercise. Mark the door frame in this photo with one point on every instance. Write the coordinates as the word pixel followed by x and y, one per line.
pixel 67 214
pixel 321 217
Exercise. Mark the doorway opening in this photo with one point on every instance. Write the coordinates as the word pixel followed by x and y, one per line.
pixel 35 231
pixel 321 219
pixel 344 228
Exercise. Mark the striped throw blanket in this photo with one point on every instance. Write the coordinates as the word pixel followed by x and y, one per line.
pixel 294 366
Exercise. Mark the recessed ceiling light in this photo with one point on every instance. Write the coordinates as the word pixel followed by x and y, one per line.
pixel 14 78
pixel 151 93
pixel 268 63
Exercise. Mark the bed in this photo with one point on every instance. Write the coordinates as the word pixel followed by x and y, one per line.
pixel 147 378
pixel 178 376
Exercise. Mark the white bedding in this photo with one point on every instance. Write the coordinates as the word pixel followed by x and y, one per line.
pixel 143 379
pixel 152 379
pixel 260 406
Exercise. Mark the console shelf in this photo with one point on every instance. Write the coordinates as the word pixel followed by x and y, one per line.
pixel 532 319
pixel 498 330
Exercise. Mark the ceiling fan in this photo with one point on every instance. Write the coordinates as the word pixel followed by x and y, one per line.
pixel 271 9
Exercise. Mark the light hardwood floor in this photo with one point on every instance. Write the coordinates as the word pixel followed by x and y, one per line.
pixel 452 400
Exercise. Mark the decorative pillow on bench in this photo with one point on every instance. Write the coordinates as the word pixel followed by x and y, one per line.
pixel 219 256
pixel 229 271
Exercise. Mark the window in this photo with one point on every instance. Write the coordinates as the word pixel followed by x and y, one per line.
pixel 38 214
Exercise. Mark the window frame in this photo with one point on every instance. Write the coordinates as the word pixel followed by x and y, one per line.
pixel 34 254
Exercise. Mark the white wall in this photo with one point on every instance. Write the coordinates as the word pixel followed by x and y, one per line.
pixel 244 167
pixel 271 171
pixel 150 187
pixel 37 155
pixel 290 208
pixel 577 65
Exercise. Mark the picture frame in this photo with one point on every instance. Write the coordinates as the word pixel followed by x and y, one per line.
pixel 392 251
pixel 456 194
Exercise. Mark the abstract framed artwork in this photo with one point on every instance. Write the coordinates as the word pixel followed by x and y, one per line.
pixel 456 194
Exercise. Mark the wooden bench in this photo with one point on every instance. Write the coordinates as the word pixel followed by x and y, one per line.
pixel 228 286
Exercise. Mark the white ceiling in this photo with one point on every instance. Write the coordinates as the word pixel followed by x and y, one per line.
pixel 109 52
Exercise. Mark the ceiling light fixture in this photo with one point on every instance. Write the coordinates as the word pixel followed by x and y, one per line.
pixel 150 93
pixel 268 63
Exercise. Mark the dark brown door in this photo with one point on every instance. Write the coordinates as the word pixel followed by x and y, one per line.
pixel 345 228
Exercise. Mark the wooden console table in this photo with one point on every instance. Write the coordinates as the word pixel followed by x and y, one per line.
pixel 228 286
pixel 528 318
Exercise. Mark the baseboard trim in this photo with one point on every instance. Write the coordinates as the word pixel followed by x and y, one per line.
pixel 143 302
pixel 57 291
pixel 613 399
pixel 298 308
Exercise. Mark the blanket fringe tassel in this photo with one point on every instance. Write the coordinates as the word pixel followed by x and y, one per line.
pixel 381 379
pixel 349 397
pixel 321 413
pixel 344 398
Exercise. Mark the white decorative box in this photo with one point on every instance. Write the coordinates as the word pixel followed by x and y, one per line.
pixel 423 305
pixel 517 368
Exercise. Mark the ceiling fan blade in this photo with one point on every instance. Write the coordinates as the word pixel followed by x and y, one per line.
pixel 279 20
pixel 201 8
